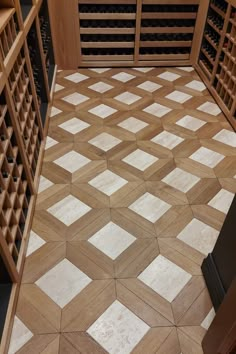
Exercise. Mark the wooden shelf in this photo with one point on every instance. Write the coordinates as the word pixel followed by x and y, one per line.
pixel 107 44
pixel 107 16
pixel 169 15
pixel 165 44
pixel 167 29
pixel 107 30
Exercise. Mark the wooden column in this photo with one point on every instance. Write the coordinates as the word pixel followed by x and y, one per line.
pixel 65 32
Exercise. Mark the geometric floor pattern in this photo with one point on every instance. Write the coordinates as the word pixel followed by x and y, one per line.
pixel 139 172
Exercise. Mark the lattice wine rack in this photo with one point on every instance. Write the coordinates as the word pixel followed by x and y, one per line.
pixel 21 92
pixel 217 60
pixel 24 97
pixel 8 24
pixel 14 190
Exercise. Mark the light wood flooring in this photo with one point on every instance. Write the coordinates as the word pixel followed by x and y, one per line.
pixel 138 175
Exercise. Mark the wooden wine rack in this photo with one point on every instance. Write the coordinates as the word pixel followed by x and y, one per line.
pixel 26 78
pixel 217 59
pixel 126 32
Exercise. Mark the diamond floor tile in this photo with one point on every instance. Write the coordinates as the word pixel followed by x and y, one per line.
pixel 76 77
pixel 140 159
pixel 103 111
pixel 123 77
pixel 149 86
pixel 168 140
pixel 207 157
pixel 133 125
pixel 108 182
pixel 74 125
pixel 165 277
pixel 181 180
pixel 157 110
pixel 226 137
pixel 138 176
pixel 118 330
pixel 63 282
pixel 178 96
pixel 72 161
pixel 112 240
pixel 20 336
pixel 190 123
pixel 69 210
pixel 169 76
pixel 127 98
pixel 200 236
pixel 101 87
pixel 150 207
pixel 75 99
pixel 105 141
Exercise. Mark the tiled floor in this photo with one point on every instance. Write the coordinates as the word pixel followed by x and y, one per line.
pixel 138 175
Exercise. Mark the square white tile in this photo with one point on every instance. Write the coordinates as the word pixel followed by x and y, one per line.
pixel 169 76
pixel 186 68
pixel 63 282
pixel 127 98
pixel 69 210
pixel 181 180
pixel 133 125
pixel 72 161
pixel 118 330
pixel 168 140
pixel 19 337
pixel 75 98
pixel 44 184
pixel 210 108
pixel 143 70
pixel 108 182
pixel 149 86
pixel 196 85
pixel 58 87
pixel 150 207
pixel 35 242
pixel 140 159
pixel 165 278
pixel 207 157
pixel 123 77
pixel 100 87
pixel 200 236
pixel 50 142
pixel 54 111
pixel 76 77
pixel 112 240
pixel 178 96
pixel 190 123
pixel 226 137
pixel 105 141
pixel 103 111
pixel 74 125
pixel 208 319
pixel 222 201
pixel 157 110
pixel 100 70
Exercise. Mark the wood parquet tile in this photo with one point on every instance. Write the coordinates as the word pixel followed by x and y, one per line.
pixel 139 172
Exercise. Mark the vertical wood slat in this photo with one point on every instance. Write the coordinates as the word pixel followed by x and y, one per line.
pixel 65 32
pixel 199 30
pixel 138 31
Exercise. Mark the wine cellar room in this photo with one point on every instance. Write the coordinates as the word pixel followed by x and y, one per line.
pixel 118 176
